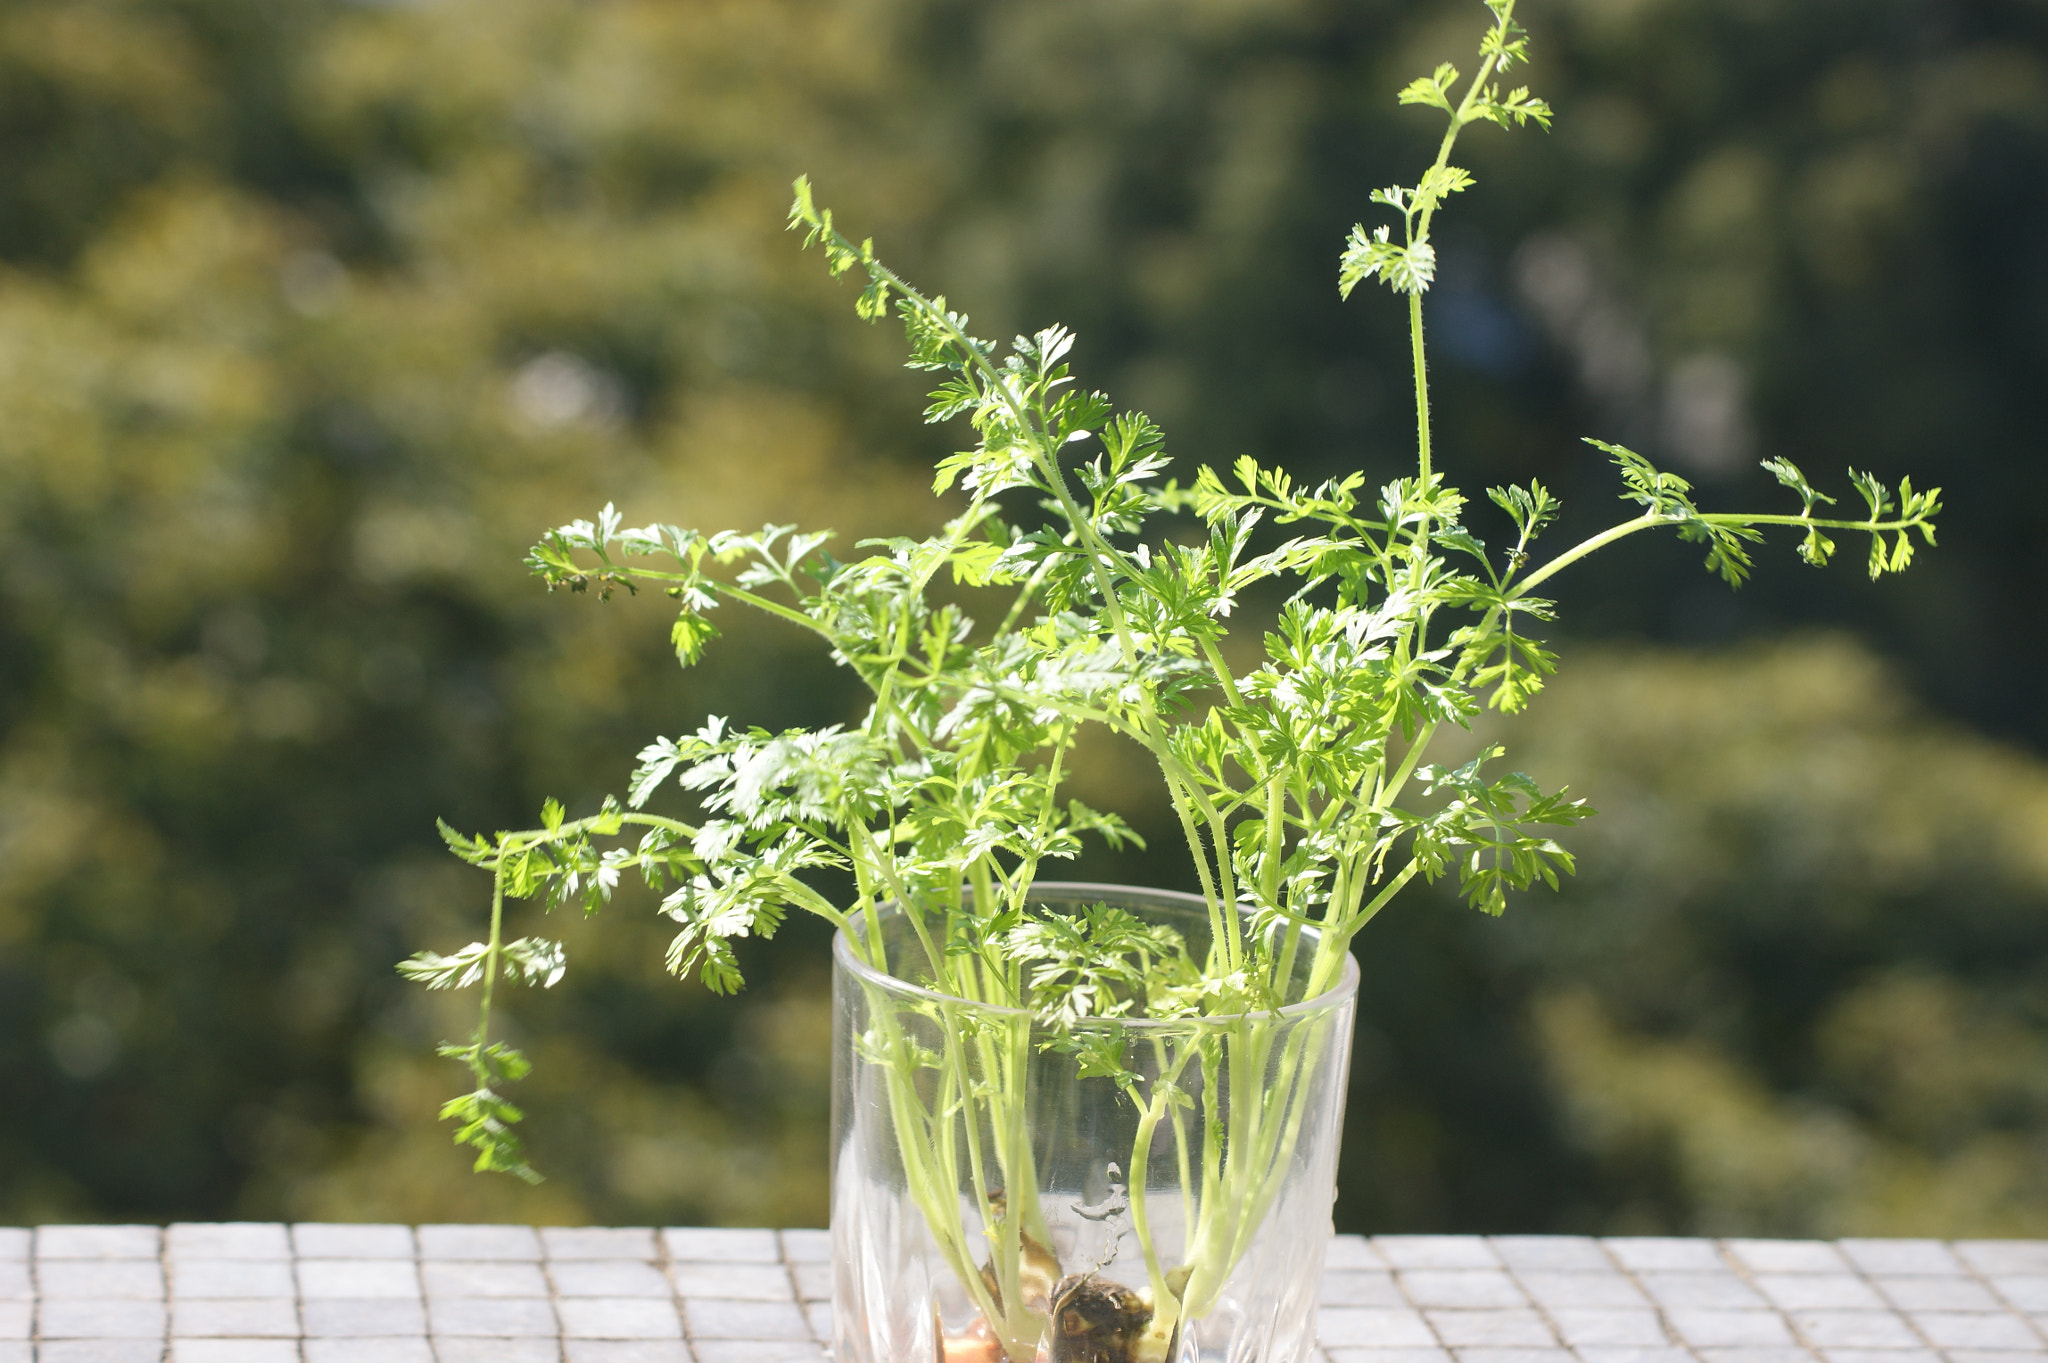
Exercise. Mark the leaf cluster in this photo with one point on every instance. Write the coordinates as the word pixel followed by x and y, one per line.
pixel 1408 265
pixel 1075 587
pixel 1102 962
pixel 484 1119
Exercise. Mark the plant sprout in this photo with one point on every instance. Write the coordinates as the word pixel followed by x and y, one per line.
pixel 1075 587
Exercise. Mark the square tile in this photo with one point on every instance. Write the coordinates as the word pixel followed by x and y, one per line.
pixel 1491 1329
pixel 1604 1326
pixel 599 1242
pixel 608 1278
pixel 1939 1294
pixel 232 1278
pixel 1819 1291
pixel 1348 1251
pixel 1922 1258
pixel 251 1317
pixel 1352 1287
pixel 228 1240
pixel 485 1278
pixel 1710 1329
pixel 362 1317
pixel 619 1318
pixel 1368 1327
pixel 358 1278
pixel 1551 1253
pixel 2024 1291
pixel 100 1320
pixel 1716 1291
pixel 1490 1354
pixel 815 1246
pixel 14 1279
pixel 452 1350
pixel 1603 1354
pixel 625 1351
pixel 755 1351
pixel 735 1282
pixel 2004 1256
pixel 492 1317
pixel 100 1279
pixel 710 1245
pixel 1468 1288
pixel 479 1242
pixel 1436 1251
pixel 16 1351
pixel 332 1240
pixel 814 1282
pixel 100 1351
pixel 1975 1330
pixel 716 1319
pixel 1856 1330
pixel 15 1242
pixel 1556 1290
pixel 390 1349
pixel 1787 1256
pixel 819 1315
pixel 98 1242
pixel 1413 1354
pixel 1665 1254
pixel 15 1319
pixel 234 1351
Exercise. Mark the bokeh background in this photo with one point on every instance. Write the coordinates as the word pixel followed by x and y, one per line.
pixel 314 314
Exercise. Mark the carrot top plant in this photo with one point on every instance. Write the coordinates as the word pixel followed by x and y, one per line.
pixel 1075 585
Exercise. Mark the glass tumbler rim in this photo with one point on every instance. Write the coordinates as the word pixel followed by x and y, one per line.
pixel 1330 1000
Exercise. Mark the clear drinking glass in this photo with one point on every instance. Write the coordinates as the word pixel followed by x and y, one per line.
pixel 1136 1192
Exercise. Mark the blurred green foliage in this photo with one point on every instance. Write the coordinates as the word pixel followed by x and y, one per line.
pixel 313 314
pixel 1798 987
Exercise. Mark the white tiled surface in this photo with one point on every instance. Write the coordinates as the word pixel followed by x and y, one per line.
pixel 254 1293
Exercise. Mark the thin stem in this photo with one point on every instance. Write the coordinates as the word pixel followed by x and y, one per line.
pixel 1421 386
pixel 1385 795
pixel 1649 520
pixel 1222 671
pixel 492 955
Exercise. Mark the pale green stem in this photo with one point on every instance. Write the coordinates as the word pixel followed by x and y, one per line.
pixel 492 953
pixel 1650 521
pixel 1164 1086
pixel 1421 385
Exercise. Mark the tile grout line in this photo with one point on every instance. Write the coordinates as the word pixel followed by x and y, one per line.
pixel 796 1289
pixel 1748 1275
pixel 547 1276
pixel 291 1259
pixel 163 1272
pixel 1542 1311
pixel 1904 1315
pixel 1401 1285
pixel 419 1276
pixel 1998 1294
pixel 1672 1337
pixel 665 1262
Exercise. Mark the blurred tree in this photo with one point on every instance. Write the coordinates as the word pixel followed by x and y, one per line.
pixel 312 314
pixel 276 435
pixel 1798 989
